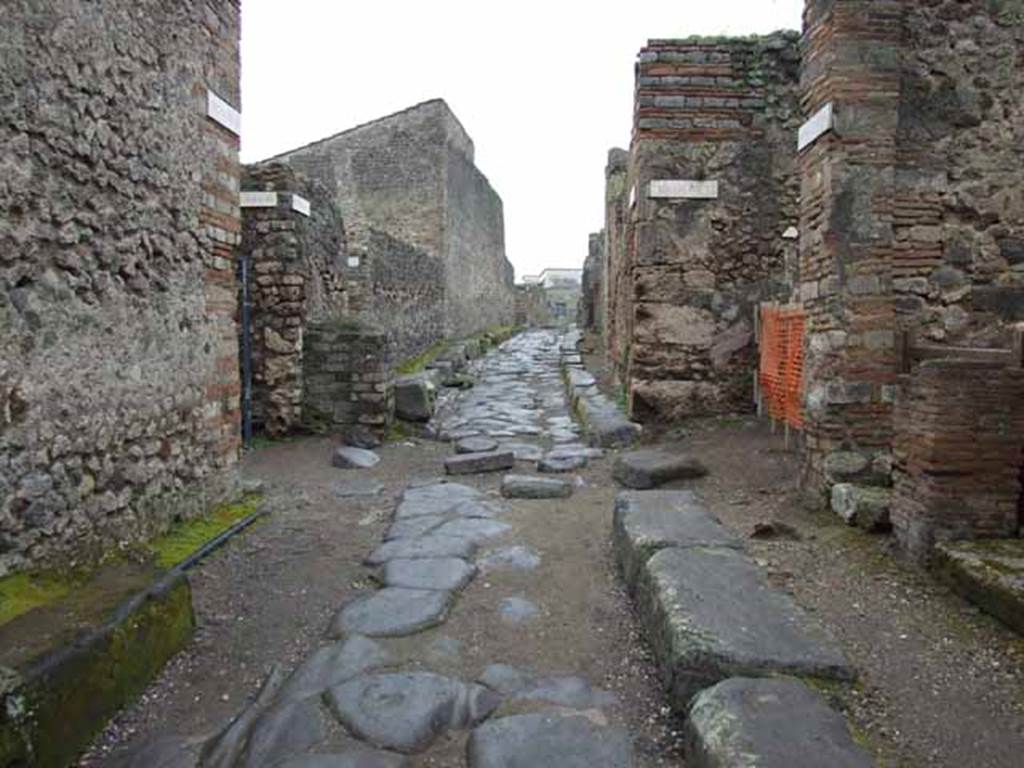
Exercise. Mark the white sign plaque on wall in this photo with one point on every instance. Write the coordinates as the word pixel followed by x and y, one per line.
pixel 258 200
pixel 682 189
pixel 223 113
pixel 822 122
pixel 300 204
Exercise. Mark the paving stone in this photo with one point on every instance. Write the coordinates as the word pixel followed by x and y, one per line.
pixel 605 425
pixel 350 457
pixel 446 648
pixel 429 545
pixel 353 758
pixel 473 463
pixel 224 749
pixel 441 573
pixel 473 529
pixel 530 487
pixel 549 741
pixel 770 724
pixel 159 752
pixel 524 685
pixel 411 527
pixel 571 450
pixel 709 615
pixel 283 730
pixel 476 445
pixel 647 521
pixel 524 451
pixel 333 664
pixel 516 610
pixel 406 712
pixel 555 464
pixel 650 468
pixel 357 487
pixel 392 612
pixel 516 558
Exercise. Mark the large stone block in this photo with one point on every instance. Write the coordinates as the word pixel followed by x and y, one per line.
pixel 768 724
pixel 709 614
pixel 646 522
pixel 415 397
pixel 651 468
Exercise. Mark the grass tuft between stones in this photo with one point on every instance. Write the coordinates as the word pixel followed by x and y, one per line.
pixel 22 592
pixel 185 538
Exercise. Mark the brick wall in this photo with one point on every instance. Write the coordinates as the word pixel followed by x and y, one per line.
pixel 118 221
pixel 617 260
pixel 959 438
pixel 910 214
pixel 721 111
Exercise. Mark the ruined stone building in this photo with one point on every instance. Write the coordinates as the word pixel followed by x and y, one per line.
pixel 398 242
pixel 119 389
pixel 868 175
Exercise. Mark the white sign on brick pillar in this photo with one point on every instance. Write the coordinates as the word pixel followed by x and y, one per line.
pixel 223 113
pixel 301 205
pixel 258 200
pixel 821 123
pixel 682 189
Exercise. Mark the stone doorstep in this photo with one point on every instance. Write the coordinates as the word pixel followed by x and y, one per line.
pixel 709 614
pixel 771 723
pixel 988 573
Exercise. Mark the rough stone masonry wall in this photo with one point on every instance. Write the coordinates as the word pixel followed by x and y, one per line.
pixel 618 255
pixel 911 208
pixel 419 215
pixel 592 288
pixel 118 220
pixel 297 275
pixel 722 110
pixel 959 435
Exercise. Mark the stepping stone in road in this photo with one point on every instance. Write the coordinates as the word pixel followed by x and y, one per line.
pixel 770 724
pixel 424 546
pixel 411 527
pixel 285 729
pixel 356 487
pixel 516 610
pixel 530 487
pixel 648 521
pixel 517 558
pixel 552 464
pixel 439 573
pixel 476 445
pixel 435 499
pixel 522 685
pixel 549 741
pixel 649 468
pixel 333 664
pixel 392 612
pixel 524 451
pixel 349 457
pixel 353 758
pixel 408 711
pixel 711 615
pixel 473 463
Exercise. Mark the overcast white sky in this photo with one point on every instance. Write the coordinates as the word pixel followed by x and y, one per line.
pixel 543 88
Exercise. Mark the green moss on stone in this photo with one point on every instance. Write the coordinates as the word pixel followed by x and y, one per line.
pixel 21 592
pixel 187 537
pixel 422 360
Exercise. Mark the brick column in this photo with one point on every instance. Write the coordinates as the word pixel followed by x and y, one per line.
pixel 851 62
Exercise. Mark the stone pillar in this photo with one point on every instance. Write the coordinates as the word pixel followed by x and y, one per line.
pixel 616 269
pixel 847 168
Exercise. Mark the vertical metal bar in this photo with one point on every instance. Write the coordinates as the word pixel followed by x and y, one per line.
pixel 246 352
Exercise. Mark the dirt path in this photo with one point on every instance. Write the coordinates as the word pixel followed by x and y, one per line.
pixel 268 598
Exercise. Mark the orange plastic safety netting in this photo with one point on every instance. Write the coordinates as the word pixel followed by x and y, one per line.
pixel 781 370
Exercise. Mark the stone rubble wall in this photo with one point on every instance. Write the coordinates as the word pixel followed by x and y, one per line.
pixel 531 307
pixel 723 110
pixel 618 254
pixel 119 389
pixel 911 210
pixel 592 289
pixel 957 460
pixel 425 224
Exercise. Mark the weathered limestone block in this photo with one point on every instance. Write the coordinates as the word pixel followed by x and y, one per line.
pixel 648 521
pixel 865 507
pixel 472 463
pixel 710 615
pixel 651 468
pixel 415 397
pixel 530 487
pixel 770 724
